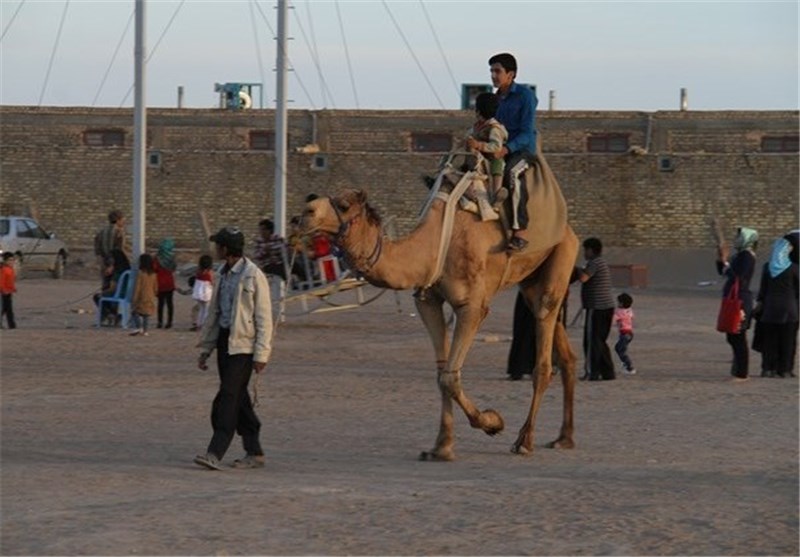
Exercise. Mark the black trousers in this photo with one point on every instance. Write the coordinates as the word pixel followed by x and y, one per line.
pixel 778 347
pixel 741 353
pixel 165 299
pixel 8 311
pixel 232 411
pixel 596 328
pixel 522 354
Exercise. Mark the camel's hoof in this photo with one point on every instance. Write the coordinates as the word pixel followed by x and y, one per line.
pixel 561 444
pixel 491 422
pixel 436 456
pixel 520 450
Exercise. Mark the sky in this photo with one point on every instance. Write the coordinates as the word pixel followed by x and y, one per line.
pixel 413 54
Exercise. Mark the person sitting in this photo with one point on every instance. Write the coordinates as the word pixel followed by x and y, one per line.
pixel 490 136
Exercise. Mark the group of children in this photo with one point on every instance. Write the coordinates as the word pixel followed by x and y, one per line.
pixel 155 285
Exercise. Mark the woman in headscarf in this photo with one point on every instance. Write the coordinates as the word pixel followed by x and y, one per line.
pixel 777 306
pixel 741 268
pixel 164 266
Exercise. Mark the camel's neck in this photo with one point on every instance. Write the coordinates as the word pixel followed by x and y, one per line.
pixel 401 264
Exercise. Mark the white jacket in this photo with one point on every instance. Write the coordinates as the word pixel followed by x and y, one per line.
pixel 251 317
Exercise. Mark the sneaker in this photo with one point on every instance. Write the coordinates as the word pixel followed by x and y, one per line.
pixel 629 371
pixel 249 461
pixel 137 332
pixel 145 334
pixel 208 460
pixel 740 379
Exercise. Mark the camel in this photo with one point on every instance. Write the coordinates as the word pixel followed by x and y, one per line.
pixel 476 266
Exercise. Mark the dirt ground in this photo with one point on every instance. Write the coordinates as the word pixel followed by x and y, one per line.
pixel 99 430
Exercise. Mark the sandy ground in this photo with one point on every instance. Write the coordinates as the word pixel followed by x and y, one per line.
pixel 99 430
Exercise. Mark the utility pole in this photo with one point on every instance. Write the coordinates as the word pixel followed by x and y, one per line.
pixel 280 122
pixel 139 135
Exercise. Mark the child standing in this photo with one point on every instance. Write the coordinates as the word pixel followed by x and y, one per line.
pixel 203 288
pixel 623 317
pixel 488 136
pixel 145 293
pixel 164 265
pixel 8 286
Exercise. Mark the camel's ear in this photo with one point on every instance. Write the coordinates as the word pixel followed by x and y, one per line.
pixel 361 196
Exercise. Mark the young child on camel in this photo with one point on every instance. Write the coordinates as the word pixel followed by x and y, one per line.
pixel 490 136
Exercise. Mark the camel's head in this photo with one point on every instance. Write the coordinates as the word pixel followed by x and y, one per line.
pixel 335 214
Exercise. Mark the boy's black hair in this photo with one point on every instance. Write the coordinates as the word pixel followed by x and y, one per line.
pixel 625 300
pixel 506 60
pixel 8 255
pixel 268 224
pixel 486 105
pixel 146 263
pixel 206 262
pixel 594 244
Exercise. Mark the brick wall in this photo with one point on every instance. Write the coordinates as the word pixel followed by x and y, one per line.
pixel 625 199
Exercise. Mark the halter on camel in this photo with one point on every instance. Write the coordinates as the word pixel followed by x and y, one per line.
pixel 344 228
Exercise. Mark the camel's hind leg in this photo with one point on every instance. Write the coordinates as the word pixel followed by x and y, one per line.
pixel 566 363
pixel 546 315
pixel 545 292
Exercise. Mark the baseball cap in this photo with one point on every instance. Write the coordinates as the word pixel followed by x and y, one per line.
pixel 230 237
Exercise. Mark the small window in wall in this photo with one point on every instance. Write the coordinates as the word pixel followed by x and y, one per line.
pixel 104 138
pixel 262 140
pixel 431 142
pixel 780 144
pixel 608 143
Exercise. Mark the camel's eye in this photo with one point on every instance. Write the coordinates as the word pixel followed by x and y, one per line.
pixel 342 206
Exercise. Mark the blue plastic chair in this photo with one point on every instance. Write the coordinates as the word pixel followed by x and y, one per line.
pixel 122 297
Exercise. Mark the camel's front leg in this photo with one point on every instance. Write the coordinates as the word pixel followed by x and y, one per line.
pixel 468 319
pixel 429 306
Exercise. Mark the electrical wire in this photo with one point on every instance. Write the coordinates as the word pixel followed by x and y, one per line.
pixel 10 21
pixel 315 59
pixel 439 46
pixel 256 41
pixel 296 75
pixel 53 54
pixel 346 53
pixel 323 84
pixel 155 47
pixel 113 58
pixel 411 51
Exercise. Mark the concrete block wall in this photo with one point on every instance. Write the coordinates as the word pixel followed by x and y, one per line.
pixel 626 199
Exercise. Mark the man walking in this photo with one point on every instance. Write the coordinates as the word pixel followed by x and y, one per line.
pixel 239 326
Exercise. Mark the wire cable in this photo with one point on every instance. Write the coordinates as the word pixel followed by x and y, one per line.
pixel 289 61
pixel 315 59
pixel 411 51
pixel 323 84
pixel 53 54
pixel 155 47
pixel 439 46
pixel 255 39
pixel 347 53
pixel 10 21
pixel 113 58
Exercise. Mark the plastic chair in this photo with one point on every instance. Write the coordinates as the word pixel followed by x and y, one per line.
pixel 121 297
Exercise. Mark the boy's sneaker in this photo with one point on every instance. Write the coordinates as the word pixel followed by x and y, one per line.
pixel 631 371
pixel 249 461
pixel 137 332
pixel 208 460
